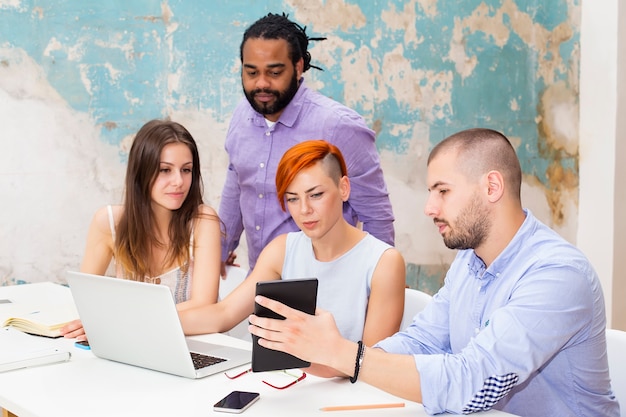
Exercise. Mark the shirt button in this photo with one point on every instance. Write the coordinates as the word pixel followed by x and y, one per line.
pixel 258 227
pixel 260 195
pixel 267 133
pixel 262 165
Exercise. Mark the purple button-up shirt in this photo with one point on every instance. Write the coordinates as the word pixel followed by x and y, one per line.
pixel 249 198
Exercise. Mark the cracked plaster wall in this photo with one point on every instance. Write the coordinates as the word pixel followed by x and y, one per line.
pixel 78 78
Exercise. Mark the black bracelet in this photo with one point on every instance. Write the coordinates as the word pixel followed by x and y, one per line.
pixel 359 360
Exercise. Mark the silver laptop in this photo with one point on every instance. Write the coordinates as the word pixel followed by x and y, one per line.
pixel 136 323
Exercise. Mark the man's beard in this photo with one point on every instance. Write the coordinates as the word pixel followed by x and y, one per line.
pixel 283 98
pixel 471 227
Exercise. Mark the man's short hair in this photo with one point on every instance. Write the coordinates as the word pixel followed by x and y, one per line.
pixel 481 150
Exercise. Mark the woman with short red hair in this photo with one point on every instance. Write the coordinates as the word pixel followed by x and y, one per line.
pixel 361 279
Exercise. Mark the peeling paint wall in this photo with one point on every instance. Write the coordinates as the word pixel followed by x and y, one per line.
pixel 77 79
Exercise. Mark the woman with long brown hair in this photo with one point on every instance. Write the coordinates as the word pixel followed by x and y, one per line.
pixel 162 233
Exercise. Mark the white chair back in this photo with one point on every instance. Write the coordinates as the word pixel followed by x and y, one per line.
pixel 235 276
pixel 414 302
pixel 615 348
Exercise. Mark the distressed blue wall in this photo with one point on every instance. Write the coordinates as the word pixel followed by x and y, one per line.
pixel 417 70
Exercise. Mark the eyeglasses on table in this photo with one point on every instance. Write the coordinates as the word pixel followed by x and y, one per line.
pixel 297 378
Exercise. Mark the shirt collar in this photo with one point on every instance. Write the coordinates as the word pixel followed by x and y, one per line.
pixel 502 261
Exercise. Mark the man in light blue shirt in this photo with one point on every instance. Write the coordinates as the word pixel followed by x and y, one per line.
pixel 519 324
pixel 278 112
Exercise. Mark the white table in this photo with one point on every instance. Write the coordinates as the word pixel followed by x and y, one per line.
pixel 89 386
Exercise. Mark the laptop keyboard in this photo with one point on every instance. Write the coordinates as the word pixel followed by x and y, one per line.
pixel 202 361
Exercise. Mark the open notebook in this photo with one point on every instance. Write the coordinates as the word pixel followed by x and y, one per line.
pixel 43 321
pixel 136 323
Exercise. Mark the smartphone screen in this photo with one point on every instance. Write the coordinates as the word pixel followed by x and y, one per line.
pixel 236 402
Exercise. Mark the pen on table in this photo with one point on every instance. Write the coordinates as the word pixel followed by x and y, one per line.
pixel 361 407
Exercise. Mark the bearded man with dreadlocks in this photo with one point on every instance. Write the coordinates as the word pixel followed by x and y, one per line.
pixel 280 111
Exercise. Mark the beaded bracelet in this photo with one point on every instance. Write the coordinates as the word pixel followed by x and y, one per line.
pixel 359 360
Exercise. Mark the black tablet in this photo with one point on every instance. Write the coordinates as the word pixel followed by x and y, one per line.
pixel 300 294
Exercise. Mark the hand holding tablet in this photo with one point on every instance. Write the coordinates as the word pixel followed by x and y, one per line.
pixel 300 294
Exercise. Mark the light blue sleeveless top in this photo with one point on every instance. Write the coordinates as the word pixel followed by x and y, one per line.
pixel 344 283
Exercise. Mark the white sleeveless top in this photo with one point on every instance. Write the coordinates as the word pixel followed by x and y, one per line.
pixel 178 282
pixel 344 283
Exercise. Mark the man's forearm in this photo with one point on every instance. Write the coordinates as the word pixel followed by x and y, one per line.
pixel 393 373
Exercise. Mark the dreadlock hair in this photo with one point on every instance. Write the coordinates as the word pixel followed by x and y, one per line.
pixel 275 26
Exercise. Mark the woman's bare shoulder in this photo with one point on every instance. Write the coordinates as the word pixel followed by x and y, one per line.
pixel 206 210
pixel 101 216
pixel 391 262
pixel 393 255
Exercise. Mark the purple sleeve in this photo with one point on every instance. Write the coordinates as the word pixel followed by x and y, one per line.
pixel 369 198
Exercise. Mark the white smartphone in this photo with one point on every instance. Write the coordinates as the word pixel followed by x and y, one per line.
pixel 236 402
